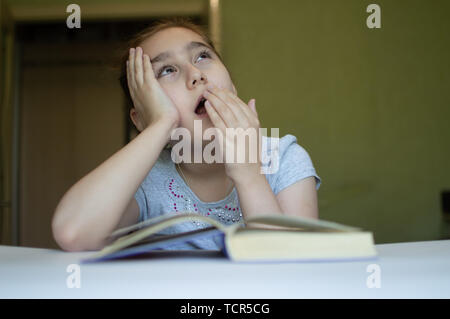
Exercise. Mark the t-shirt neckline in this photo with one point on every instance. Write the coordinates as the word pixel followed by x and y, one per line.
pixel 183 182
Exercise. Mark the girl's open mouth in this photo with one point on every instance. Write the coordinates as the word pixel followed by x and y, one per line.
pixel 201 110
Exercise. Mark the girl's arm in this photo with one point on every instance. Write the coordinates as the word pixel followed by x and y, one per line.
pixel 257 198
pixel 300 199
pixel 95 206
pixel 104 200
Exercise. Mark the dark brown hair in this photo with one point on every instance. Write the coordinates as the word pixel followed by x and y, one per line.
pixel 138 38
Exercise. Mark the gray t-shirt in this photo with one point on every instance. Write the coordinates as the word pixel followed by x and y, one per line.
pixel 164 191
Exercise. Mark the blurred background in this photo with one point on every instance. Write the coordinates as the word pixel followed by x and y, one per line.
pixel 371 106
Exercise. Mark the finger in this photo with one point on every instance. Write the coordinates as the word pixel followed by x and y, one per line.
pixel 129 78
pixel 223 95
pixel 215 117
pixel 249 109
pixel 252 105
pixel 149 76
pixel 138 66
pixel 131 66
pixel 222 109
pixel 219 125
pixel 246 109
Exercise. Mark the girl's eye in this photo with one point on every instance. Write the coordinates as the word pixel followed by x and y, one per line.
pixel 163 69
pixel 204 53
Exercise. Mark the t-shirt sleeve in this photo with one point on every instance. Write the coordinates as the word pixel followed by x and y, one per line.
pixel 142 203
pixel 295 164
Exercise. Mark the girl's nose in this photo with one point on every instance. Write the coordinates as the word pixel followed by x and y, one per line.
pixel 202 79
pixel 196 77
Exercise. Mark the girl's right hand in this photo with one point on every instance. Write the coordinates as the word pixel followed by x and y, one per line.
pixel 149 99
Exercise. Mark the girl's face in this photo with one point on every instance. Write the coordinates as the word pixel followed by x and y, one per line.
pixel 185 73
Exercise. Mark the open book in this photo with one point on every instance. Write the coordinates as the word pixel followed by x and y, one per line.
pixel 261 238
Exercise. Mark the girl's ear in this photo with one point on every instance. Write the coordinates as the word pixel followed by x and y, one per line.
pixel 136 119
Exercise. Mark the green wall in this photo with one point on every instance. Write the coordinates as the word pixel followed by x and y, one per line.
pixel 370 106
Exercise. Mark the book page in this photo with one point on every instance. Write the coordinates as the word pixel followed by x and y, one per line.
pixel 157 225
pixel 290 221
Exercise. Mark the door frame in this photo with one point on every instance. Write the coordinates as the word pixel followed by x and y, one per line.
pixel 8 167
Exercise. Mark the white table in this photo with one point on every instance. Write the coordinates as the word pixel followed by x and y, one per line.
pixel 408 270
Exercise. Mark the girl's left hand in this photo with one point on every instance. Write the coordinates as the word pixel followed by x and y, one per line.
pixel 226 110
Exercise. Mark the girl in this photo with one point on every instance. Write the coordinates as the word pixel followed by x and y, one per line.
pixel 171 67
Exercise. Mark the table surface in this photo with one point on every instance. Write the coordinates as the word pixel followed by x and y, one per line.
pixel 403 270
